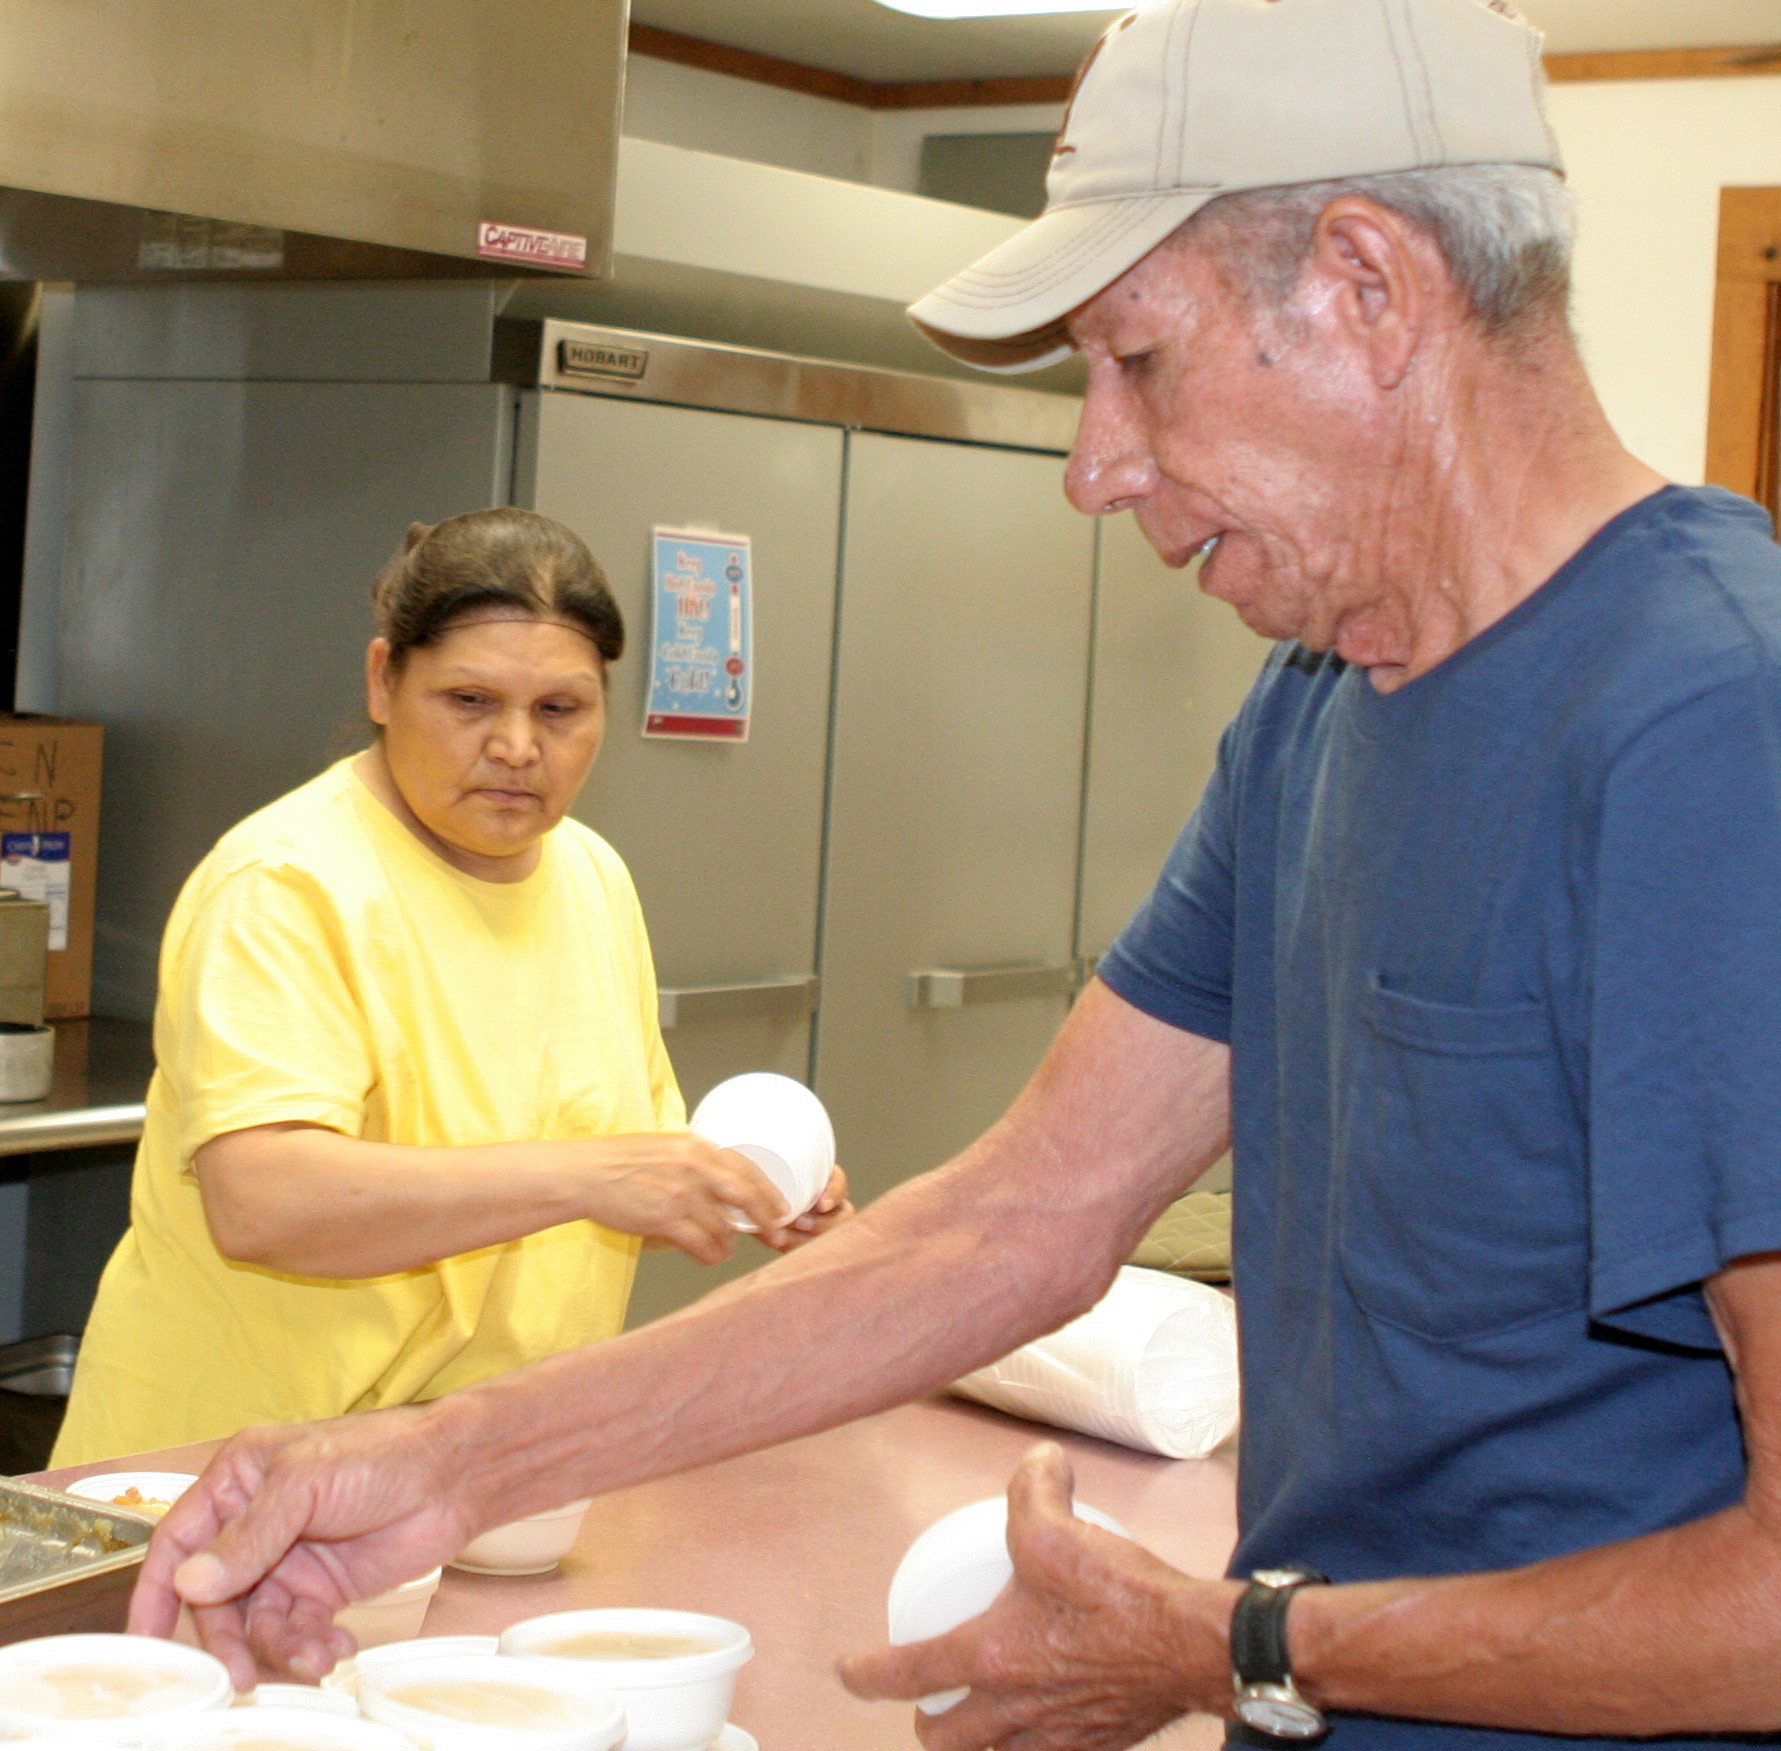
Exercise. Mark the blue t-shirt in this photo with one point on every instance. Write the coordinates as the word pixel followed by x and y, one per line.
pixel 1499 960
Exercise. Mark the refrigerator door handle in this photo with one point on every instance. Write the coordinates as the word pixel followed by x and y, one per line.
pixel 780 999
pixel 954 987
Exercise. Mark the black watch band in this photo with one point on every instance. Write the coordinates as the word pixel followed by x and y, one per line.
pixel 1269 1709
pixel 1258 1626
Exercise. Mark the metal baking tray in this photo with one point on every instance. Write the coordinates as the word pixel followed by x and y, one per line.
pixel 65 1564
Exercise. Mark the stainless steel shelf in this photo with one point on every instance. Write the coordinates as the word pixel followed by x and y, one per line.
pixel 100 1092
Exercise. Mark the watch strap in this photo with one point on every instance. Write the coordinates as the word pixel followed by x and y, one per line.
pixel 1258 1625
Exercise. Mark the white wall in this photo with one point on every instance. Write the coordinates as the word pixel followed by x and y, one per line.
pixel 1647 159
pixel 710 112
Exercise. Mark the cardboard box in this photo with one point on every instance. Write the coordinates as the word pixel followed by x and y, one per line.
pixel 49 842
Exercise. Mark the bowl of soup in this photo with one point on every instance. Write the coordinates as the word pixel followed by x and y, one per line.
pixel 487 1702
pixel 105 1690
pixel 674 1671
pixel 344 1679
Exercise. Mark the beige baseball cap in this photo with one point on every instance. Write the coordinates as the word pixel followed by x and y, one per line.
pixel 1187 100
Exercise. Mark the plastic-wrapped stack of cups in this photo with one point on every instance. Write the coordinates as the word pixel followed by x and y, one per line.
pixel 675 1672
pixel 780 1126
pixel 954 1572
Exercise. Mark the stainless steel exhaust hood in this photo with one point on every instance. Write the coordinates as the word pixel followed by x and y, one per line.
pixel 272 139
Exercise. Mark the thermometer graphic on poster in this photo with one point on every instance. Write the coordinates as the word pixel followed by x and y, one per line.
pixel 701 658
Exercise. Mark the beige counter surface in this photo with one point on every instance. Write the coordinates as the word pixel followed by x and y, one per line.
pixel 800 1542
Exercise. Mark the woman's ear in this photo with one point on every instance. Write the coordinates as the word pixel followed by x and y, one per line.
pixel 378 679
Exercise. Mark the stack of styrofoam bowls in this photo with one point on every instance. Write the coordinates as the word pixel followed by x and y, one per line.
pixel 676 1703
pixel 487 1702
pixel 289 1729
pixel 954 1572
pixel 780 1126
pixel 344 1679
pixel 533 1546
pixel 54 1687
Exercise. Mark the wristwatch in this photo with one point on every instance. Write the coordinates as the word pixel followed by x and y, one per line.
pixel 1268 1703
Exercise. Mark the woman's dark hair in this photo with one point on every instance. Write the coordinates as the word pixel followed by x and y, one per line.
pixel 502 558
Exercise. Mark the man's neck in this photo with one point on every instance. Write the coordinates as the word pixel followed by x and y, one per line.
pixel 1514 475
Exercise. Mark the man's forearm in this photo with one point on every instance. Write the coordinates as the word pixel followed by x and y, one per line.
pixel 1022 1232
pixel 1675 1632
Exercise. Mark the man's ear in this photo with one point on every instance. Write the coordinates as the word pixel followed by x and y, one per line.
pixel 1377 266
pixel 377 680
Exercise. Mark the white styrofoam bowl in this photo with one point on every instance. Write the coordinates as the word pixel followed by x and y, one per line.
pixel 395 1616
pixel 954 1571
pixel 344 1679
pixel 289 1729
pixel 196 1685
pixel 387 1695
pixel 675 1704
pixel 780 1126
pixel 300 1696
pixel 533 1546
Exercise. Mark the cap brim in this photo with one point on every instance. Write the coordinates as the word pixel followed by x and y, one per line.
pixel 1006 312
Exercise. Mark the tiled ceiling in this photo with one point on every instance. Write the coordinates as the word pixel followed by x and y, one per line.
pixel 872 42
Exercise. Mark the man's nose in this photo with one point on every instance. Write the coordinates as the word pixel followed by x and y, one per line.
pixel 1111 468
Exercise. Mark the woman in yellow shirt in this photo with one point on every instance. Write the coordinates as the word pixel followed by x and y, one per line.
pixel 411 1114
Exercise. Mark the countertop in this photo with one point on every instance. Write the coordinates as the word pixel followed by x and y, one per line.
pixel 799 1543
pixel 102 1074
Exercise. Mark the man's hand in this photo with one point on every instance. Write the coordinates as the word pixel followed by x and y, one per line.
pixel 1094 1645
pixel 289 1524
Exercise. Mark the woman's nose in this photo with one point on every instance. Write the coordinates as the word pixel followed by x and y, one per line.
pixel 514 739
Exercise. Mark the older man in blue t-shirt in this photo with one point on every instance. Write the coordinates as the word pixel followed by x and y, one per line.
pixel 1473 947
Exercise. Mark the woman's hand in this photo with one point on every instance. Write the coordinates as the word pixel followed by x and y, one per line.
pixel 829 1211
pixel 675 1189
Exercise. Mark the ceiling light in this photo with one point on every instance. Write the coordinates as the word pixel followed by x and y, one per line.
pixel 997 8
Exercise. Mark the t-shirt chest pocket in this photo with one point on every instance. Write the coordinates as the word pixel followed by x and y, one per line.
pixel 1462 1208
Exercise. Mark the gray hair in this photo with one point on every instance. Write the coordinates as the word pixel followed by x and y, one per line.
pixel 1505 230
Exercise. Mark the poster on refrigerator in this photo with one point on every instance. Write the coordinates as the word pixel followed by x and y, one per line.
pixel 701 656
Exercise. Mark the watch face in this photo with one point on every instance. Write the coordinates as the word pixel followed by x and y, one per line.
pixel 1279 1716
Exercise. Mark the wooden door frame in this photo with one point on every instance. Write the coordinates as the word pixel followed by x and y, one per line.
pixel 1744 397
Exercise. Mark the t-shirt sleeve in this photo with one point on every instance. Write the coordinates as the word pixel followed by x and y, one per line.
pixel 1173 960
pixel 268 1028
pixel 1684 1082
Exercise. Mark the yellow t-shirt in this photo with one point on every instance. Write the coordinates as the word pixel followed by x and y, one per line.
pixel 322 965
